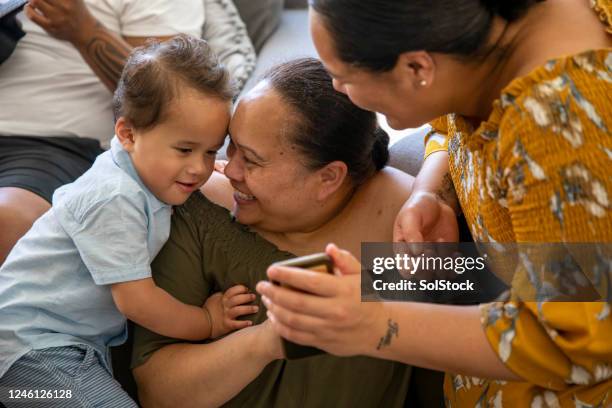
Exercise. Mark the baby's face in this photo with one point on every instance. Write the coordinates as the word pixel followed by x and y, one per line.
pixel 176 157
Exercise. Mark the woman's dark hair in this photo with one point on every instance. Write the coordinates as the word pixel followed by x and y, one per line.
pixel 153 74
pixel 329 126
pixel 372 34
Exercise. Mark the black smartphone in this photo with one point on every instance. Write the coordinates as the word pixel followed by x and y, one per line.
pixel 320 262
pixel 316 262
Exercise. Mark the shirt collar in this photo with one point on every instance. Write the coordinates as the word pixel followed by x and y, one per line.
pixel 123 160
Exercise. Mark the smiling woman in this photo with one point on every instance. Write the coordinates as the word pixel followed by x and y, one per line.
pixel 314 162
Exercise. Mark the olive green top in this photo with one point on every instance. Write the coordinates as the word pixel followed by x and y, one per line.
pixel 208 252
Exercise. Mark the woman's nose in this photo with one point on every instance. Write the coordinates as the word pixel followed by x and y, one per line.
pixel 338 86
pixel 233 169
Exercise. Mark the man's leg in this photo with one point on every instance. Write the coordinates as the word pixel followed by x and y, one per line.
pixel 19 209
pixel 31 168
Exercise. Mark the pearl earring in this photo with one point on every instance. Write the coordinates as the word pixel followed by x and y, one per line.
pixel 423 82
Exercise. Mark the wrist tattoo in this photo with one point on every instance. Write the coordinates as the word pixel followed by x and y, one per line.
pixel 447 192
pixel 392 330
pixel 107 54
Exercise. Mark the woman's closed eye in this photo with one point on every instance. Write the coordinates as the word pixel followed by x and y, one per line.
pixel 183 150
pixel 232 149
pixel 249 161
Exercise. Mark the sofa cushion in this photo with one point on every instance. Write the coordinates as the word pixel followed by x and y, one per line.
pixel 291 40
pixel 407 153
pixel 261 18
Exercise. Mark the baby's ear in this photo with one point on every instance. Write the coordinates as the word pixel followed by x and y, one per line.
pixel 125 133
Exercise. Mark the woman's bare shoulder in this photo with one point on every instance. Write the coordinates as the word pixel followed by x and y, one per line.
pixel 388 189
pixel 390 183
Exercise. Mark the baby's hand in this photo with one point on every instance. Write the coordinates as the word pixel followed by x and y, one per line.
pixel 225 308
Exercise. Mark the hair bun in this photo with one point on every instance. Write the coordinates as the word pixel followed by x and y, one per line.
pixel 380 148
pixel 509 10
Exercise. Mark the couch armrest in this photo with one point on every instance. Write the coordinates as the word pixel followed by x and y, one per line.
pixel 407 153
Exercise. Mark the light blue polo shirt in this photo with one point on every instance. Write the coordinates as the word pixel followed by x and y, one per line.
pixel 104 228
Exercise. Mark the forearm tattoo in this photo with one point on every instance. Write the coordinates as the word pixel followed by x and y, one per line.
pixel 392 330
pixel 447 192
pixel 106 55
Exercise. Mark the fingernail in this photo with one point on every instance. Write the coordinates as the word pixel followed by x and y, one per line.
pixel 271 316
pixel 265 301
pixel 262 286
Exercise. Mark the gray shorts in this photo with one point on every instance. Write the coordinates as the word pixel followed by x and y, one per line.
pixel 42 164
pixel 62 377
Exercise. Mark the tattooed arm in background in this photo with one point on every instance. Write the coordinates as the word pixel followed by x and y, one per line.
pixel 69 20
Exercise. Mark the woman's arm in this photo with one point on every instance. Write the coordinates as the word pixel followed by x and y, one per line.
pixel 447 338
pixel 206 375
pixel 440 337
pixel 429 214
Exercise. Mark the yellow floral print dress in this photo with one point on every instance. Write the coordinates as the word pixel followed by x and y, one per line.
pixel 540 170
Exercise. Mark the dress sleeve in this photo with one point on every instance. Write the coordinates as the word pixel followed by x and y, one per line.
pixel 178 269
pixel 157 18
pixel 555 162
pixel 436 139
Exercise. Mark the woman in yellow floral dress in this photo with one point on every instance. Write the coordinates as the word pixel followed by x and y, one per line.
pixel 523 93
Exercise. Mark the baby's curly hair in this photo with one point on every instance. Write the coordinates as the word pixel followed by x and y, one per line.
pixel 153 74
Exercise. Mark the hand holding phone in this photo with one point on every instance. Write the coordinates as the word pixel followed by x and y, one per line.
pixel 321 263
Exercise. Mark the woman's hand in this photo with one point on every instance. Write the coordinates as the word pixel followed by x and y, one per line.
pixel 425 218
pixel 330 314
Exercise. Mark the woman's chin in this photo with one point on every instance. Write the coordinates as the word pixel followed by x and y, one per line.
pixel 242 215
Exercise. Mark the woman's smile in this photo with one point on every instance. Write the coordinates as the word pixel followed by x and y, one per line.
pixel 243 198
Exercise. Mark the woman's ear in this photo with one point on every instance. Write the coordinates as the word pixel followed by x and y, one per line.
pixel 125 134
pixel 417 68
pixel 331 178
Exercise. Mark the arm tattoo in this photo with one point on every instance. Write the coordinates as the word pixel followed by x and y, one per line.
pixel 106 54
pixel 392 330
pixel 447 192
